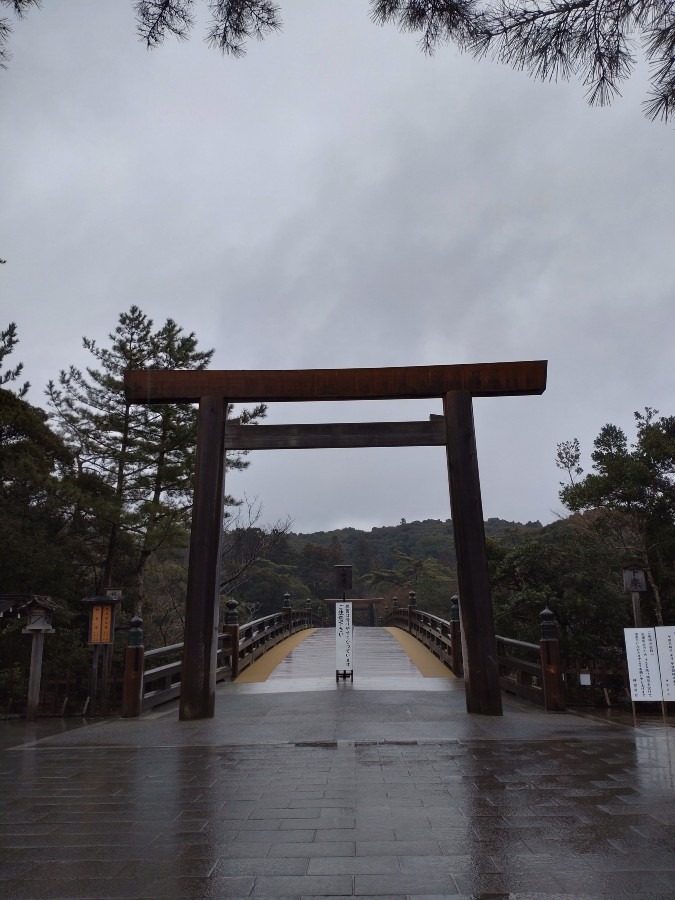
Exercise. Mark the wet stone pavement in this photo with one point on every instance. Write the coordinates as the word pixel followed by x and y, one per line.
pixel 339 791
pixel 518 819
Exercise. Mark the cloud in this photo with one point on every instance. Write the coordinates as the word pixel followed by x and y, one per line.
pixel 338 199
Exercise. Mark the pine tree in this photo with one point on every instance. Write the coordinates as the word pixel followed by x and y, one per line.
pixel 8 341
pixel 145 454
pixel 629 497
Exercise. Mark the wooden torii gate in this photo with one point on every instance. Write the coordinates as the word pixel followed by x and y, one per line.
pixel 455 384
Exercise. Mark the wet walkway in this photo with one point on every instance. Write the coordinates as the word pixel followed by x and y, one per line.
pixel 342 791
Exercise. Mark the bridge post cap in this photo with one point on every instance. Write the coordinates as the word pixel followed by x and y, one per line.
pixel 135 632
pixel 231 616
pixel 412 598
pixel 548 624
pixel 454 608
pixel 394 601
pixel 287 599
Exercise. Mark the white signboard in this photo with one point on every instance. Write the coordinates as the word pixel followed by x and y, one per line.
pixel 344 638
pixel 634 579
pixel 643 664
pixel 665 643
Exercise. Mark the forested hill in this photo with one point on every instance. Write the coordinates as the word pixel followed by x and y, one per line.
pixel 387 561
pixel 367 550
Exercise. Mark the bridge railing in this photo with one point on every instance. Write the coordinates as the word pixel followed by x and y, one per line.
pixel 438 635
pixel 153 677
pixel 531 671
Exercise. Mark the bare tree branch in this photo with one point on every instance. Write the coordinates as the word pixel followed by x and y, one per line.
pixel 246 543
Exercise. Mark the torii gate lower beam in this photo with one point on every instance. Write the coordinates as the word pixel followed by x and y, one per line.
pixel 455 384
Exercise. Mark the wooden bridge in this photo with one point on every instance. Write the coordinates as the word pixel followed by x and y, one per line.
pixel 532 672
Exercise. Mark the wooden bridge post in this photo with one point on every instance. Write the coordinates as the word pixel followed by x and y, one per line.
pixel 551 664
pixel 412 609
pixel 198 684
pixel 231 628
pixel 287 613
pixel 481 672
pixel 134 665
pixel 456 638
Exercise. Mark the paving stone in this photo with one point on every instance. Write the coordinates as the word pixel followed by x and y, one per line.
pixel 69 889
pixel 359 832
pixel 353 865
pixel 398 848
pixel 421 883
pixel 447 865
pixel 203 888
pixel 268 866
pixel 294 834
pixel 290 885
pixel 314 849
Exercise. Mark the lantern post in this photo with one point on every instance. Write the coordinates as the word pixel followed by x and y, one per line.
pixel 39 624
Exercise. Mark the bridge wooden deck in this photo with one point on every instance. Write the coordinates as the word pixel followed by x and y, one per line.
pixel 377 654
pixel 384 660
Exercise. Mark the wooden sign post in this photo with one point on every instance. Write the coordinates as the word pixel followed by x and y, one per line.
pixel 344 642
pixel 101 637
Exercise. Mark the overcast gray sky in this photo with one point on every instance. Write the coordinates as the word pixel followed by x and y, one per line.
pixel 336 198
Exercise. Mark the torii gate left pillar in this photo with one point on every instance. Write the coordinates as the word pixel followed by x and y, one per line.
pixel 200 648
pixel 457 385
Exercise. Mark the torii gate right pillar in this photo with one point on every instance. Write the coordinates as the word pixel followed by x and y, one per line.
pixel 479 647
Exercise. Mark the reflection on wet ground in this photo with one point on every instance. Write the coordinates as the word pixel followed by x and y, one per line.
pixel 519 819
pixel 345 791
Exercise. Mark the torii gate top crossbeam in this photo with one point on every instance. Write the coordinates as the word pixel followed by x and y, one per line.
pixel 396 383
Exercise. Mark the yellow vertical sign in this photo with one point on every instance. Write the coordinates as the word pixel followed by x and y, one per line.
pixel 96 618
pixel 106 625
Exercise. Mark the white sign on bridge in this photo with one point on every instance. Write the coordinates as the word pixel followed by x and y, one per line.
pixel 665 643
pixel 344 641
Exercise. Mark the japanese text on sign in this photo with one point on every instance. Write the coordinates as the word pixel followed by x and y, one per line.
pixel 634 579
pixel 344 642
pixel 665 645
pixel 643 664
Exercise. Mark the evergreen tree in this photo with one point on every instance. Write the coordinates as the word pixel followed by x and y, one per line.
pixel 32 517
pixel 8 341
pixel 144 454
pixel 571 570
pixel 629 497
